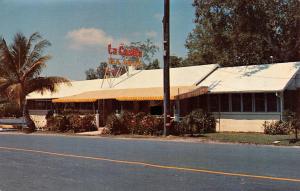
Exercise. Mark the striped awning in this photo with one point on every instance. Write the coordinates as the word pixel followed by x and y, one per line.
pixel 134 94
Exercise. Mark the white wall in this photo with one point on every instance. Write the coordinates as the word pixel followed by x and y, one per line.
pixel 39 118
pixel 244 121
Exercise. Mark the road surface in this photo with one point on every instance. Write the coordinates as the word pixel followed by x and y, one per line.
pixel 38 162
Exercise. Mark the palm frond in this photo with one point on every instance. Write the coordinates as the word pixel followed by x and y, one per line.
pixel 34 37
pixel 36 68
pixel 42 84
pixel 6 58
pixel 19 50
pixel 12 91
pixel 36 53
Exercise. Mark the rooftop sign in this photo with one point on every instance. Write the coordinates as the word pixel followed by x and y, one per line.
pixel 130 56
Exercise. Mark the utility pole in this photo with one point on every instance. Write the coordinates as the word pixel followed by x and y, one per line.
pixel 166 76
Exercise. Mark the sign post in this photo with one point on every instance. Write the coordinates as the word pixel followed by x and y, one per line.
pixel 166 44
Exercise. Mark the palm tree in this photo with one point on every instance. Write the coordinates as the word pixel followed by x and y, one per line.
pixel 21 64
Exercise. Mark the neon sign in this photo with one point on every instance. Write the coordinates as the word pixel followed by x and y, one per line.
pixel 127 56
pixel 122 51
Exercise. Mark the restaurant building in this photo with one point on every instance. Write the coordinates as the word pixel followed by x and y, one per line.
pixel 241 98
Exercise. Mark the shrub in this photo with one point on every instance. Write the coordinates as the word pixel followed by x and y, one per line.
pixel 158 126
pixel 88 123
pixel 147 125
pixel 139 128
pixel 115 125
pixel 177 128
pixel 140 124
pixel 75 123
pixel 58 123
pixel 198 122
pixel 130 122
pixel 276 127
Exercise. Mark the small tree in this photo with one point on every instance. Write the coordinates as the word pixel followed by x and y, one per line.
pixel 21 64
pixel 293 123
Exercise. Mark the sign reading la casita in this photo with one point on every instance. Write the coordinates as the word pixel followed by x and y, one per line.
pixel 123 55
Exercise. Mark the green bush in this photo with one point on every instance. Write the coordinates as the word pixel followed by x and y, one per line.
pixel 88 123
pixel 276 128
pixel 150 125
pixel 145 124
pixel 116 125
pixel 58 123
pixel 177 128
pixel 198 122
pixel 130 122
pixel 139 124
pixel 75 123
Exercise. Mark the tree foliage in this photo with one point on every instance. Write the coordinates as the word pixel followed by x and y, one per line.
pixel 148 48
pixel 153 65
pixel 21 64
pixel 97 73
pixel 244 32
pixel 176 61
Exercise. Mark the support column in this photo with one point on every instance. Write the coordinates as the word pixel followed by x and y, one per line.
pixel 281 105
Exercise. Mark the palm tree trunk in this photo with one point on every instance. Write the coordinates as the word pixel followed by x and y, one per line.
pixel 29 122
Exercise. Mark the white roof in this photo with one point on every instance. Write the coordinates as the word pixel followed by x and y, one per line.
pixel 63 90
pixel 255 78
pixel 185 76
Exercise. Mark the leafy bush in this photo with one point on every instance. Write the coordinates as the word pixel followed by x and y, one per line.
pixel 198 122
pixel 276 127
pixel 150 125
pixel 75 123
pixel 130 122
pixel 140 124
pixel 88 123
pixel 58 123
pixel 116 125
pixel 177 128
pixel 146 124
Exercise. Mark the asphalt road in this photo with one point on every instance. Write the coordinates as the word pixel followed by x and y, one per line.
pixel 84 163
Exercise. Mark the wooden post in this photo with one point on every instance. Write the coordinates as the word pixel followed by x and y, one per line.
pixel 166 44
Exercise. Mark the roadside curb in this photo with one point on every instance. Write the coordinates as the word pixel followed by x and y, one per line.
pixel 154 139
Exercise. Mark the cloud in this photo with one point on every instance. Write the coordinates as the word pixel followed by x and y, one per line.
pixel 91 37
pixel 151 34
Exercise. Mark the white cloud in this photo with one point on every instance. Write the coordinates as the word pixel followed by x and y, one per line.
pixel 151 34
pixel 91 37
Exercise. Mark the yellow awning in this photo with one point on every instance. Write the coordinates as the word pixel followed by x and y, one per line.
pixel 134 94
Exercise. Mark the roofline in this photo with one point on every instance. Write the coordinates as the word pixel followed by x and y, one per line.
pixel 252 91
pixel 292 78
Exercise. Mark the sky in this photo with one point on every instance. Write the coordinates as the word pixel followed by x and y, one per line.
pixel 80 30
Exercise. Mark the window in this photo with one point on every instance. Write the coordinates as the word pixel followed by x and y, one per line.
pixel 214 103
pixel 156 110
pixel 271 102
pixel 203 102
pixel 236 102
pixel 224 98
pixel 247 102
pixel 259 102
